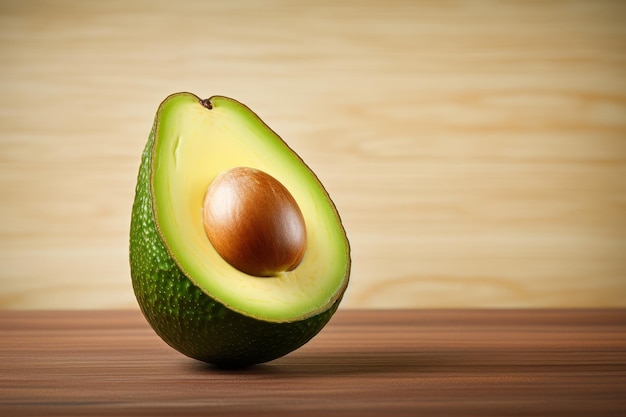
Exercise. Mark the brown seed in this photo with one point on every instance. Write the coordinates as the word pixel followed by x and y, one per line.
pixel 254 223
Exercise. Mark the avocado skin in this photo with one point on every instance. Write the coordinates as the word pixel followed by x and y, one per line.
pixel 187 318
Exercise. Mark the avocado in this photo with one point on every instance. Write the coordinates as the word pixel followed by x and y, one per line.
pixel 200 301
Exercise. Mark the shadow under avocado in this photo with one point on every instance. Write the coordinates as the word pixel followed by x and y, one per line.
pixel 312 364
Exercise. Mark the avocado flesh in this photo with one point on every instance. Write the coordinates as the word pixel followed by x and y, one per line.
pixel 194 299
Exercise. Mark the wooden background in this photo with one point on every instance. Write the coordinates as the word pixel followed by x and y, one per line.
pixel 476 150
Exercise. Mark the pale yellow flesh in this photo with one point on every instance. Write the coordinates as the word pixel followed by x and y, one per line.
pixel 193 145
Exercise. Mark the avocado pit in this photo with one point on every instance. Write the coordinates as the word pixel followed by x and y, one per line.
pixel 254 222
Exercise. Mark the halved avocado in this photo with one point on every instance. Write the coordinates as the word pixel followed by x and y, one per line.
pixel 197 302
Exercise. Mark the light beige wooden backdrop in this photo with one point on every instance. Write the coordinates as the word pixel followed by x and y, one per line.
pixel 476 150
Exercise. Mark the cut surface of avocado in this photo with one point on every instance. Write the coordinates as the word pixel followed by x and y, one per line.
pixel 194 141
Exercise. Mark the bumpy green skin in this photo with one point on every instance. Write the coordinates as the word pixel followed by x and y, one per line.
pixel 184 316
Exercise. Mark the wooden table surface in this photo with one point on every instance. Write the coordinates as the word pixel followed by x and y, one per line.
pixel 365 362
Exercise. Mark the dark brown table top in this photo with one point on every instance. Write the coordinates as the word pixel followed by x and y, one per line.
pixel 374 362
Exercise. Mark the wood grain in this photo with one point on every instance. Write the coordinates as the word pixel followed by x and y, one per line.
pixel 476 150
pixel 439 362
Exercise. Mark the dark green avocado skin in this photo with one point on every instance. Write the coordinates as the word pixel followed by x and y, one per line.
pixel 188 319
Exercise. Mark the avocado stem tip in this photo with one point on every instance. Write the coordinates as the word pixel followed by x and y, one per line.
pixel 207 103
